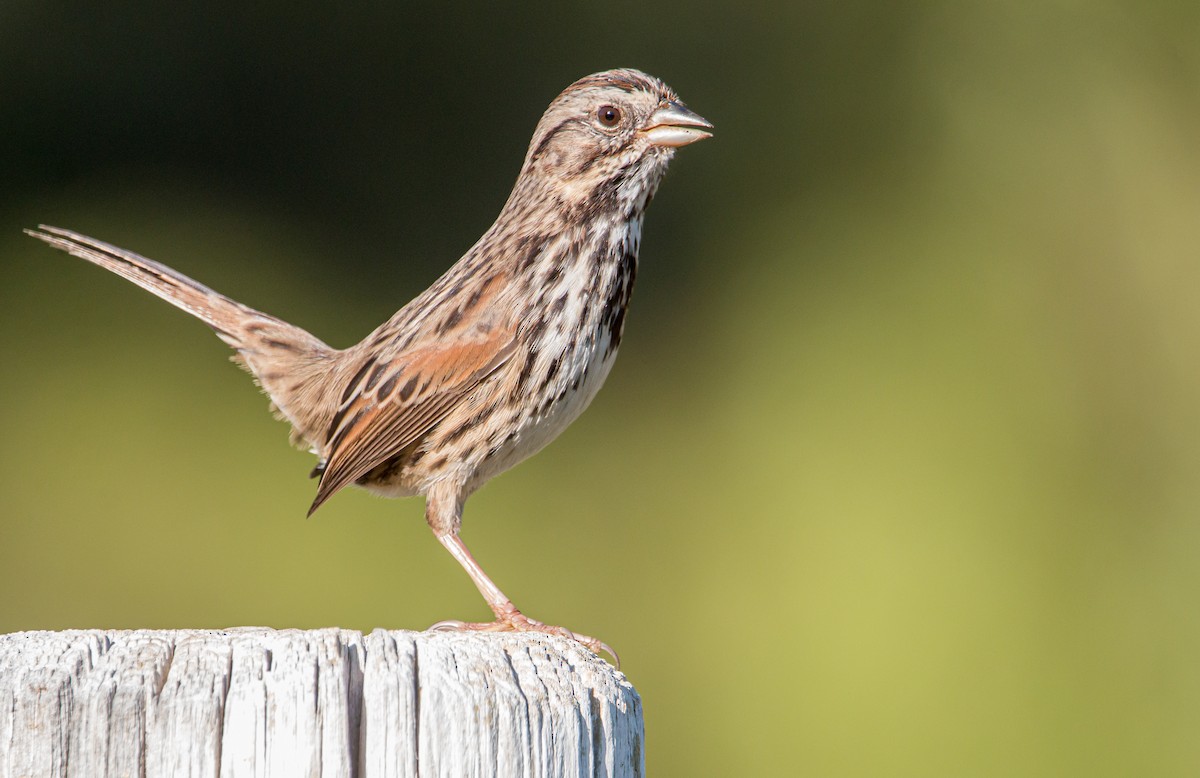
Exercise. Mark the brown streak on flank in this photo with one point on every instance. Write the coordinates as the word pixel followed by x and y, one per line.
pixel 460 430
pixel 551 372
pixel 536 330
pixel 282 346
pixel 526 372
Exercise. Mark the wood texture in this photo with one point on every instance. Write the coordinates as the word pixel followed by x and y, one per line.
pixel 260 702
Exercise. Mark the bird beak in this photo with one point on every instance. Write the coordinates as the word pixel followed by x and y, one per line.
pixel 675 125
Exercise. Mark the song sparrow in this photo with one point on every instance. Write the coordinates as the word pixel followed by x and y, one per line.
pixel 495 359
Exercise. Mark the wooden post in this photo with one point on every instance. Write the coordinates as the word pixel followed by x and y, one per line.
pixel 259 702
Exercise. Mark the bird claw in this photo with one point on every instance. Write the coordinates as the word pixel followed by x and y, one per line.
pixel 519 622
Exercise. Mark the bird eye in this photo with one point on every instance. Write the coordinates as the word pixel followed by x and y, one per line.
pixel 608 115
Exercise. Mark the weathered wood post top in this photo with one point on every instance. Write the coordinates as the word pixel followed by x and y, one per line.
pixel 331 702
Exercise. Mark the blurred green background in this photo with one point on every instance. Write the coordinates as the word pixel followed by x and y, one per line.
pixel 897 473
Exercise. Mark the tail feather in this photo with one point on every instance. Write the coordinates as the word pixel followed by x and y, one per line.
pixel 291 365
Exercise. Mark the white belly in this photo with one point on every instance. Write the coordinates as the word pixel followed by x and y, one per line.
pixel 543 424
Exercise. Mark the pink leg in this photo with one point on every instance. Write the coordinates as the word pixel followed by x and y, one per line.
pixel 508 618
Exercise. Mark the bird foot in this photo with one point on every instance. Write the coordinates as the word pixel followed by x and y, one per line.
pixel 515 621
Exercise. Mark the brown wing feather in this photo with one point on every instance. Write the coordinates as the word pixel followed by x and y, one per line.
pixel 398 409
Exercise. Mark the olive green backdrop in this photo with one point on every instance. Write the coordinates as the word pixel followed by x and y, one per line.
pixel 898 473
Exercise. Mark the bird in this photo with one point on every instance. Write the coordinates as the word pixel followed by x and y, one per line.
pixel 499 355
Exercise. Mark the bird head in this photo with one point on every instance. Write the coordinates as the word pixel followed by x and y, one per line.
pixel 606 140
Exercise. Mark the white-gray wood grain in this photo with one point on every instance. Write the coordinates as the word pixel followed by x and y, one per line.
pixel 253 702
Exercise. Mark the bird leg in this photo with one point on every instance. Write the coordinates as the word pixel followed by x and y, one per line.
pixel 508 618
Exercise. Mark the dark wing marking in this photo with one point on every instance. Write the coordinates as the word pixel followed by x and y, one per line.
pixel 421 388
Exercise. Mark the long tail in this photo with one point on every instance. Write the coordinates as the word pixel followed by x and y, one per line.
pixel 291 365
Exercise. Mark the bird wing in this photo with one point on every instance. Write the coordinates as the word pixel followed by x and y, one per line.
pixel 392 403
